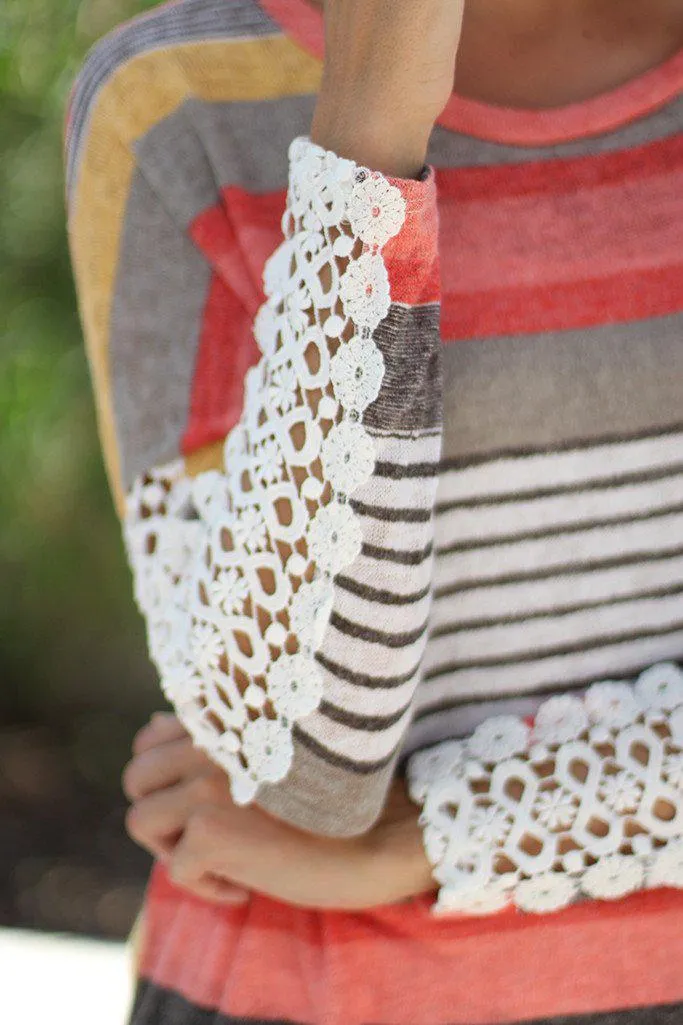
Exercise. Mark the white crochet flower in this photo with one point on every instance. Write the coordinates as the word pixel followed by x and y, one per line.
pixel 488 824
pixel 268 461
pixel 356 371
pixel 282 388
pixel 612 704
pixel 348 456
pixel 376 210
pixel 433 765
pixel 547 891
pixel 207 645
pixel 555 809
pixel 309 612
pixel 621 791
pixel 249 528
pixel 230 591
pixel 498 738
pixel 335 537
pixel 364 290
pixel 667 866
pixel 478 901
pixel 294 686
pixel 660 687
pixel 267 747
pixel 558 720
pixel 613 876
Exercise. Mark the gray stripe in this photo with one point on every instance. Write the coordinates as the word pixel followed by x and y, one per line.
pixel 452 149
pixel 155 1005
pixel 184 22
pixel 539 391
pixel 411 396
pixel 155 326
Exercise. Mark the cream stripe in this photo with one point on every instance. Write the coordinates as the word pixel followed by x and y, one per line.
pixel 537 635
pixel 367 700
pixel 570 589
pixel 402 537
pixel 517 517
pixel 404 451
pixel 359 745
pixel 556 670
pixel 576 467
pixel 367 657
pixel 565 550
pixel 391 576
pixel 390 618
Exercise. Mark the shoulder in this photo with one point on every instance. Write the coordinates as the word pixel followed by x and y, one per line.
pixel 148 46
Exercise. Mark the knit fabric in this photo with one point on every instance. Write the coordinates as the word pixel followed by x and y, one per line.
pixel 523 526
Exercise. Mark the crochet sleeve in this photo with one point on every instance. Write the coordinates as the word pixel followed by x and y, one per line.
pixel 585 801
pixel 286 594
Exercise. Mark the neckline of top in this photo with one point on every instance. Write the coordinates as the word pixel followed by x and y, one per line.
pixel 640 96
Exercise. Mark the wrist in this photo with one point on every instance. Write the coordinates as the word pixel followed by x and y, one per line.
pixel 395 151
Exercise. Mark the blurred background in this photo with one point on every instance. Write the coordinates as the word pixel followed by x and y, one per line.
pixel 75 682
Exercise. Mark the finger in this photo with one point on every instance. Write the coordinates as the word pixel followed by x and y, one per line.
pixel 162 766
pixel 157 822
pixel 163 728
pixel 216 890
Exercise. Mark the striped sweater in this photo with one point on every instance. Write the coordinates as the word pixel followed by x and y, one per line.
pixel 521 528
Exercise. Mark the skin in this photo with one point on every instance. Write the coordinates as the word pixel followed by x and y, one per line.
pixel 545 53
pixel 181 812
pixel 526 53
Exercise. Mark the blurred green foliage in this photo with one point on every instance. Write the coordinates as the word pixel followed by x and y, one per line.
pixel 69 633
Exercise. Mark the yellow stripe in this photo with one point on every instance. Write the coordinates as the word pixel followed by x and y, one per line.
pixel 140 93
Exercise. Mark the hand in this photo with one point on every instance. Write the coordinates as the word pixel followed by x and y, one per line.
pixel 183 814
pixel 387 75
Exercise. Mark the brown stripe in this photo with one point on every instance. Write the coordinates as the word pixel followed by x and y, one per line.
pixel 378 595
pixel 362 679
pixel 407 558
pixel 367 633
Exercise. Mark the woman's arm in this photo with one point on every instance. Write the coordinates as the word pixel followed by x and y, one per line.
pixel 287 592
pixel 182 814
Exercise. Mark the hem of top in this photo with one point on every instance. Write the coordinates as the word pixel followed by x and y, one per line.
pixel 599 115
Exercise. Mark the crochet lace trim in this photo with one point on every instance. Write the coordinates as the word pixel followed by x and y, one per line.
pixel 234 570
pixel 586 802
